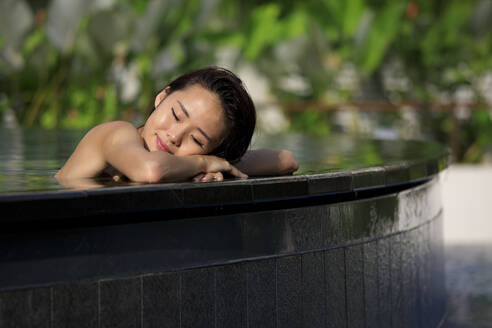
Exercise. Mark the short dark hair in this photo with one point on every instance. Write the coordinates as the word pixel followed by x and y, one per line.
pixel 238 107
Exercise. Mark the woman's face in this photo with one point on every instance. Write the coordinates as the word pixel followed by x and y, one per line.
pixel 186 122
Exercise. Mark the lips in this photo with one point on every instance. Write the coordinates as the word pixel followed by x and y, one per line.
pixel 161 145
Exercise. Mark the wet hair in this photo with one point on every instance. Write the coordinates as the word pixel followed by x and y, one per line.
pixel 238 107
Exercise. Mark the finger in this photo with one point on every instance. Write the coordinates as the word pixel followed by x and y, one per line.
pixel 198 177
pixel 219 176
pixel 207 177
pixel 235 172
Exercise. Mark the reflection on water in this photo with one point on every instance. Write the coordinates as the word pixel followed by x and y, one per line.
pixel 337 152
pixel 30 158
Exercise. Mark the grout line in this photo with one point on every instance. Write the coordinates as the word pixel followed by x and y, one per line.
pixel 215 297
pixel 52 301
pixel 180 300
pixel 99 303
pixel 325 296
pixel 302 289
pixel 345 281
pixel 276 293
pixel 247 300
pixel 141 302
pixel 362 247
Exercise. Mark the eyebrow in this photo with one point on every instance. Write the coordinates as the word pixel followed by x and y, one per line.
pixel 205 135
pixel 183 108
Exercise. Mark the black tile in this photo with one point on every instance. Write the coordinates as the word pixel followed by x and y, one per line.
pixel 289 298
pixel 371 284
pixel 261 281
pixel 198 302
pixel 304 225
pixel 424 274
pixel 336 312
pixel 75 305
pixel 434 273
pixel 368 178
pixel 161 300
pixel 441 285
pixel 418 205
pixel 360 220
pixel 42 206
pixel 374 217
pixel 279 188
pixel 28 308
pixel 384 281
pixel 313 290
pixel 337 227
pixel 265 233
pixel 417 171
pixel 231 306
pixel 283 231
pixel 432 166
pixel 408 280
pixel 397 313
pixel 120 303
pixel 329 182
pixel 132 199
pixel 217 193
pixel 397 173
pixel 354 266
pixel 414 236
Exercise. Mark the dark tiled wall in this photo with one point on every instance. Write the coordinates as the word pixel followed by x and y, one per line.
pixel 393 281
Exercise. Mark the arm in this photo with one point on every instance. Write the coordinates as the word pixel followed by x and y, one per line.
pixel 119 145
pixel 268 162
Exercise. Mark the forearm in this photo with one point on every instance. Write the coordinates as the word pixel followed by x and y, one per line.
pixel 268 162
pixel 160 166
pixel 177 168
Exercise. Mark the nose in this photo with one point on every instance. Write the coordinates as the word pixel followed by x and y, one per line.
pixel 175 136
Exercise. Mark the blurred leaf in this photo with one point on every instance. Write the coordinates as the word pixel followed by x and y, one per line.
pixel 383 30
pixel 144 62
pixel 352 13
pixel 110 106
pixel 265 29
pixel 35 39
pixel 444 32
pixel 138 5
pixel 370 154
pixel 296 24
pixel 48 119
pixel 311 121
pixel 336 8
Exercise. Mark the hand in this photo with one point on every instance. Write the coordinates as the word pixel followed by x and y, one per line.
pixel 214 164
pixel 268 162
pixel 207 177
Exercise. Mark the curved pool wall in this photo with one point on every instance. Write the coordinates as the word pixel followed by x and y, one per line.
pixel 351 248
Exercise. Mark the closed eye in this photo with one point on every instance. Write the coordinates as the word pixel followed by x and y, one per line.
pixel 197 141
pixel 174 114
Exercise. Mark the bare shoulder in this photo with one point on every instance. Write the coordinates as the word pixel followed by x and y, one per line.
pixel 110 133
pixel 88 158
pixel 110 128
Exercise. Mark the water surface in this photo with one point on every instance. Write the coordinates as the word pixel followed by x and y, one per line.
pixel 29 158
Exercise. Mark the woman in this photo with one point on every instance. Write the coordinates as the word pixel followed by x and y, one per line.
pixel 201 123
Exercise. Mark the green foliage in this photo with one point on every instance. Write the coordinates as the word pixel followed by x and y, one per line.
pixel 267 28
pixel 33 41
pixel 384 30
pixel 439 46
pixel 312 121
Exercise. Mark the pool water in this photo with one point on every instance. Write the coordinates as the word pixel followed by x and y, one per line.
pixel 29 158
